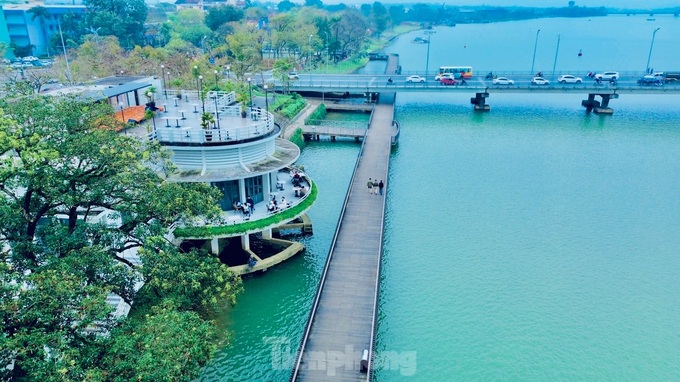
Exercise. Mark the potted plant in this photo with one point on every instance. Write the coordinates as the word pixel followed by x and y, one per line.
pixel 206 120
pixel 150 95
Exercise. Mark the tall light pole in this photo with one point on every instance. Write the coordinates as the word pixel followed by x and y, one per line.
pixel 328 48
pixel 217 111
pixel 429 34
pixel 200 92
pixel 165 84
pixel 250 91
pixel 266 99
pixel 556 51
pixel 533 60
pixel 649 57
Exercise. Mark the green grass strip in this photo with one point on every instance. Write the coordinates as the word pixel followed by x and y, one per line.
pixel 206 232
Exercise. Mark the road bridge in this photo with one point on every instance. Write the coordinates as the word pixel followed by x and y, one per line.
pixel 479 88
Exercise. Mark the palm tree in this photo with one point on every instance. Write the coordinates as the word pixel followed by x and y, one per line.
pixel 41 13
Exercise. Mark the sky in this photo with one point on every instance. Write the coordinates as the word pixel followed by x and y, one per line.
pixel 633 4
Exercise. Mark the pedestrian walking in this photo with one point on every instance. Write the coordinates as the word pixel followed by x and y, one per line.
pixel 375 186
pixel 370 186
pixel 381 185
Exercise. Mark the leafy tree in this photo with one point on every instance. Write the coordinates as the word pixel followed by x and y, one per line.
pixel 41 13
pixel 314 3
pixel 365 10
pixel 63 167
pixel 188 25
pixel 285 6
pixel 397 13
pixel 221 14
pixel 381 18
pixel 349 32
pixel 121 18
pixel 245 46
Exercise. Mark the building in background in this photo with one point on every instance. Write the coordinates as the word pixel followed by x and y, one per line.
pixel 24 28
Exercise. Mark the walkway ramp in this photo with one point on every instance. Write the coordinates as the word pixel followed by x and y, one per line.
pixel 343 316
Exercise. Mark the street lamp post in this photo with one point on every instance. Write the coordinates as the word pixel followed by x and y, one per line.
pixel 250 91
pixel 649 57
pixel 165 84
pixel 200 92
pixel 266 99
pixel 217 111
pixel 427 60
pixel 328 48
pixel 556 51
pixel 309 42
pixel 533 60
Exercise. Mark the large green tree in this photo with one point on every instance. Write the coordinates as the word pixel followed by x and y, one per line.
pixel 63 169
pixel 222 14
pixel 121 18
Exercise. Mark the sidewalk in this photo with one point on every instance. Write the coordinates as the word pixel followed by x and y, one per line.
pixel 299 120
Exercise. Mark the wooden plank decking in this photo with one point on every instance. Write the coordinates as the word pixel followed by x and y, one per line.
pixel 343 319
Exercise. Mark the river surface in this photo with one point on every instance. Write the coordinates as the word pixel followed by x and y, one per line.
pixel 534 242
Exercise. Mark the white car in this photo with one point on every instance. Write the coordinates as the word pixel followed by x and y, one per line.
pixel 569 79
pixel 439 77
pixel 415 79
pixel 607 76
pixel 293 76
pixel 503 81
pixel 539 81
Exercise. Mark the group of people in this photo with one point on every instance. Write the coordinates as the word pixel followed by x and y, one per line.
pixel 246 208
pixel 275 205
pixel 375 187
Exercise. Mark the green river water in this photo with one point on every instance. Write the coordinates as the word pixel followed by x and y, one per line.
pixel 531 243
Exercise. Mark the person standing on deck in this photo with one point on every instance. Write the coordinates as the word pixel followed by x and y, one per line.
pixel 381 185
pixel 375 186
pixel 370 186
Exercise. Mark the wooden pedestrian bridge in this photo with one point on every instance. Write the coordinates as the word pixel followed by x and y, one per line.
pixel 338 342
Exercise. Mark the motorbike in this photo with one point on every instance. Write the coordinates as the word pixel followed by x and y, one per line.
pixel 389 81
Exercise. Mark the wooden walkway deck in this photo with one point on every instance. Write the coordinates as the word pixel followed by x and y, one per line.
pixel 342 321
pixel 332 131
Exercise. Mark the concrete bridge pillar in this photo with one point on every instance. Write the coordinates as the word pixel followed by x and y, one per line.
pixel 479 100
pixel 215 246
pixel 599 107
pixel 267 234
pixel 245 242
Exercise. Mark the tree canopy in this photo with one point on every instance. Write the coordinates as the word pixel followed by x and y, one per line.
pixel 63 168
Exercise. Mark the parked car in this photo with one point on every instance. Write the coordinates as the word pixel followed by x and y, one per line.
pixel 650 81
pixel 607 76
pixel 539 81
pixel 415 79
pixel 569 79
pixel 448 81
pixel 503 81
pixel 293 76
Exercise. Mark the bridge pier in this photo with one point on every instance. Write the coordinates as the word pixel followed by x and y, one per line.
pixel 599 107
pixel 479 100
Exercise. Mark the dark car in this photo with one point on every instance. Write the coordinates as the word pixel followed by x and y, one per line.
pixel 650 81
pixel 448 81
